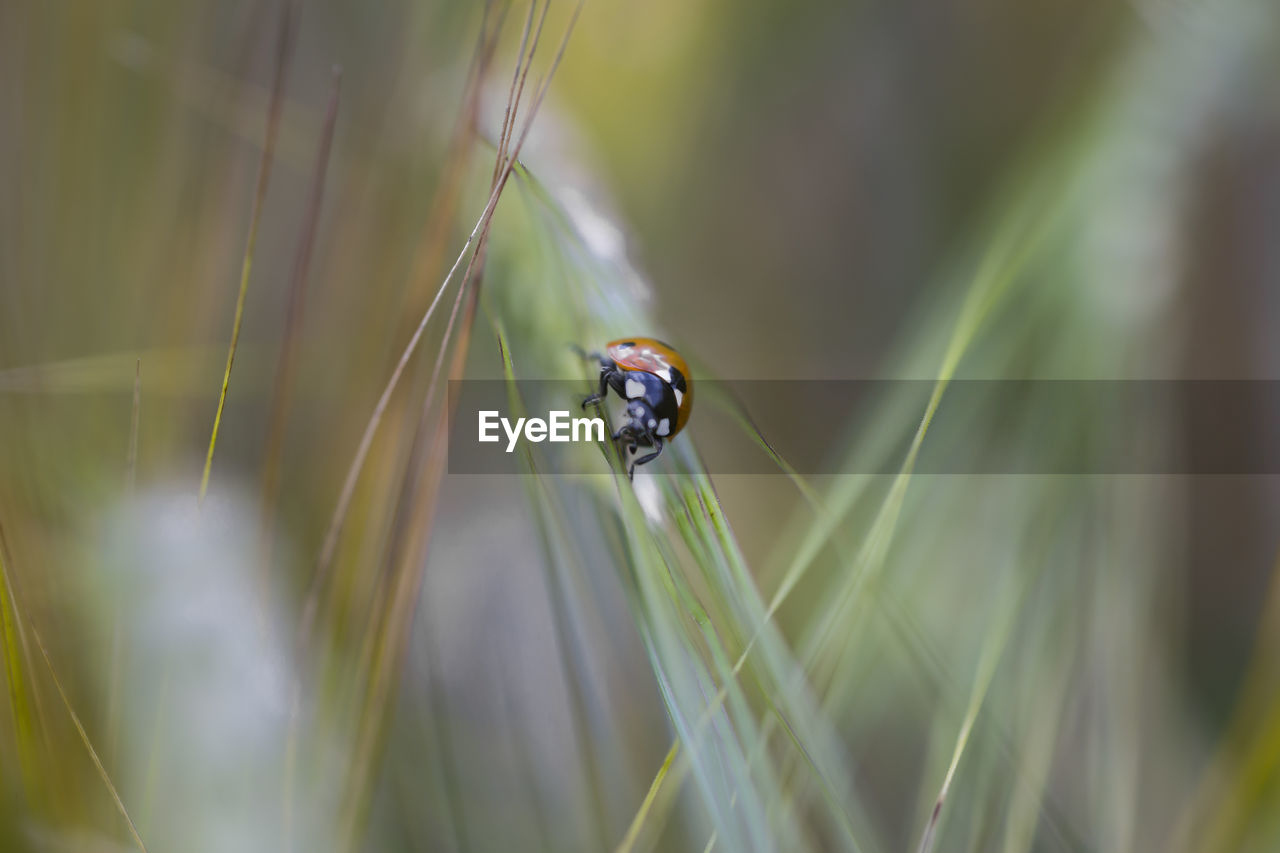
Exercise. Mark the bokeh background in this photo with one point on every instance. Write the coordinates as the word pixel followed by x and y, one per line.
pixel 809 190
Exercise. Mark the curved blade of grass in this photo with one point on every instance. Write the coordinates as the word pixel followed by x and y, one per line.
pixel 419 494
pixel 1235 788
pixel 284 51
pixel 20 704
pixel 12 626
pixel 993 649
pixel 637 825
pixel 286 366
pixel 1014 245
pixel 694 615
pixel 88 744
pixel 544 503
pixel 426 258
pixel 325 559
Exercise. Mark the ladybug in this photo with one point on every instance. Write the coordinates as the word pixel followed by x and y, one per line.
pixel 655 381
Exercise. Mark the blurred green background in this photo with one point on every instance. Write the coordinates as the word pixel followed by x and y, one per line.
pixel 802 190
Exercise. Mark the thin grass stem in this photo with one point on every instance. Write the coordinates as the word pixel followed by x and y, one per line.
pixel 284 50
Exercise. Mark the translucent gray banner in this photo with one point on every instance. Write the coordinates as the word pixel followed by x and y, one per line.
pixel 991 427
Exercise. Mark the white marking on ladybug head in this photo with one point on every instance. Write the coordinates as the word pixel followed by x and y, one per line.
pixel 664 427
pixel 634 389
pixel 652 423
pixel 664 373
pixel 679 395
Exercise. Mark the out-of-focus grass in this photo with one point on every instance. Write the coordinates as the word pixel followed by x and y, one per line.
pixel 573 661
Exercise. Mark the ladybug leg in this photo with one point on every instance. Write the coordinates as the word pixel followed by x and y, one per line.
pixel 628 431
pixel 649 457
pixel 581 353
pixel 638 433
pixel 605 375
